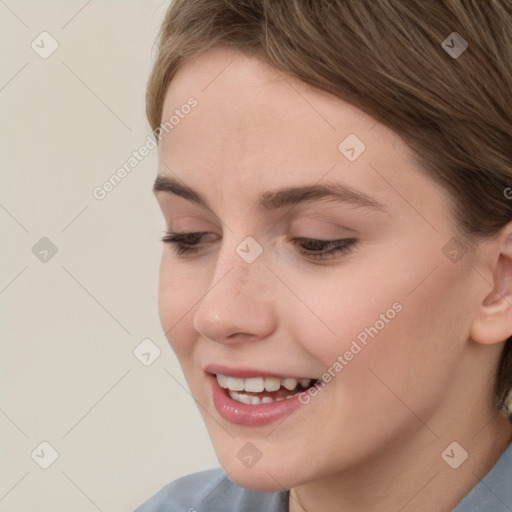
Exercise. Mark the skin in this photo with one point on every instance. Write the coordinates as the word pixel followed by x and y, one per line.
pixel 373 438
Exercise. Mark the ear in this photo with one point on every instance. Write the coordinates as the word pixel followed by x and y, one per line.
pixel 493 323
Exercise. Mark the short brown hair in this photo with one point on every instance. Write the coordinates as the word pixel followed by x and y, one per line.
pixel 385 57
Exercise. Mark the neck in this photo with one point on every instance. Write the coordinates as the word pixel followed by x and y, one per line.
pixel 412 476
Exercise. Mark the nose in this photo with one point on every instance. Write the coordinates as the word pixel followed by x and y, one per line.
pixel 238 304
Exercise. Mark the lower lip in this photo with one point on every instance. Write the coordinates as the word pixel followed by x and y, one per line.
pixel 250 415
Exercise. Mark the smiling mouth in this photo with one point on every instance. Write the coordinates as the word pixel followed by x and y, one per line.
pixel 263 390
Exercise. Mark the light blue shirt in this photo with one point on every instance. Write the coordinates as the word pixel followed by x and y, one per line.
pixel 212 491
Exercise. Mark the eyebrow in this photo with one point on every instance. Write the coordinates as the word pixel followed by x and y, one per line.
pixel 275 199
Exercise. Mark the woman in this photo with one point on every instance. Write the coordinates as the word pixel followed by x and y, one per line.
pixel 337 277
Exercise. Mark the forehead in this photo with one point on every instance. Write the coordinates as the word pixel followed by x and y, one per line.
pixel 256 128
pixel 242 100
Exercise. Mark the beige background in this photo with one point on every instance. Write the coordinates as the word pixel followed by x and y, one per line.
pixel 70 322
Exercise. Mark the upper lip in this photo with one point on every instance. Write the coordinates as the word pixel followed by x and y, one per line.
pixel 246 373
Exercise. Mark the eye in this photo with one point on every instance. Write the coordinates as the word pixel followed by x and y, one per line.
pixel 184 243
pixel 190 243
pixel 324 249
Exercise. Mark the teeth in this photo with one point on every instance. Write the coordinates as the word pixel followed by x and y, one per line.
pixel 245 399
pixel 258 384
pixel 256 400
pixel 272 384
pixel 255 384
pixel 289 384
pixel 223 381
pixel 234 383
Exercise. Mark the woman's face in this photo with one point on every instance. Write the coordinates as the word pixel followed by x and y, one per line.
pixel 386 315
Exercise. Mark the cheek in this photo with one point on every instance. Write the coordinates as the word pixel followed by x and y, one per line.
pixel 333 309
pixel 177 293
pixel 400 335
pixel 411 363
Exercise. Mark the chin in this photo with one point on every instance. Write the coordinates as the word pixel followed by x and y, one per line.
pixel 262 478
pixel 260 481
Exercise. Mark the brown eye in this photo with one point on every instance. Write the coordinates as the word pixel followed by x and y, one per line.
pixel 184 243
pixel 324 249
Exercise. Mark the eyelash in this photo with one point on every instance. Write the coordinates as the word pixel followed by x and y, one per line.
pixel 187 243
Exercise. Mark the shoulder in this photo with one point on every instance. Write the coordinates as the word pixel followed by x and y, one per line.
pixel 212 490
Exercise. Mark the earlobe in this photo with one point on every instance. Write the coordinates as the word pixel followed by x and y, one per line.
pixel 493 323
